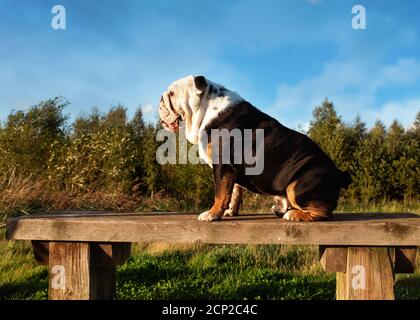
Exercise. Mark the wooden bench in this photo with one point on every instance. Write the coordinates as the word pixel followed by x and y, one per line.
pixel 83 249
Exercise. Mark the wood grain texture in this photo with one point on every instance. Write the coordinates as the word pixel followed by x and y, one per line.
pixel 355 229
pixel 341 286
pixel 333 259
pixel 369 275
pixel 69 271
pixel 84 271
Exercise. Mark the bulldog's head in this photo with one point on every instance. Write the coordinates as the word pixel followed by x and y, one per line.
pixel 182 101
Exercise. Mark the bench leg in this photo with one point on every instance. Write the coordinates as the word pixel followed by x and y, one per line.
pixel 84 271
pixel 366 272
pixel 369 275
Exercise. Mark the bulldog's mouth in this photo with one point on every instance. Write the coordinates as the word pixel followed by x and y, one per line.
pixel 170 117
pixel 173 126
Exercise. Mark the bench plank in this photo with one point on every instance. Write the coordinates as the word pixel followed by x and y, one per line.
pixel 347 229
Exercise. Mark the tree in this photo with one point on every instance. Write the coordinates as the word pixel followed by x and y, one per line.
pixel 323 129
pixel 116 118
pixel 371 170
pixel 150 166
pixel 137 130
pixel 87 124
pixel 337 139
pixel 407 166
pixel 28 137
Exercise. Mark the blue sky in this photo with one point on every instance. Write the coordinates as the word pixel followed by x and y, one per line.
pixel 283 56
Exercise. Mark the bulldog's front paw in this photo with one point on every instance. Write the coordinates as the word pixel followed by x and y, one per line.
pixel 281 207
pixel 277 211
pixel 208 216
pixel 231 213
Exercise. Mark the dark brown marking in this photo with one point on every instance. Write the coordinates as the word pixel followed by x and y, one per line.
pixel 200 83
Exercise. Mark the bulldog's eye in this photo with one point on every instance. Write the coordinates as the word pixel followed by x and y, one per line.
pixel 171 93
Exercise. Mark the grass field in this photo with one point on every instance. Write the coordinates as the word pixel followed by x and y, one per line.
pixel 197 272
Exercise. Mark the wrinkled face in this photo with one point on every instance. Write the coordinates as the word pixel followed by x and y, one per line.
pixel 180 101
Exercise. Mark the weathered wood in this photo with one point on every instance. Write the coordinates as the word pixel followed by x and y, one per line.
pixel 83 250
pixel 69 271
pixel 347 230
pixel 333 258
pixel 369 275
pixel 341 286
pixel 81 271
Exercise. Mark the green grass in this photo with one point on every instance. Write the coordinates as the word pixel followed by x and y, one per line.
pixel 20 276
pixel 225 272
pixel 196 272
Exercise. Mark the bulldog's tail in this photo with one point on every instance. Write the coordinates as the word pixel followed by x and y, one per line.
pixel 346 179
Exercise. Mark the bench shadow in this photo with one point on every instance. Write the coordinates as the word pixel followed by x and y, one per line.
pixel 374 216
pixel 407 287
pixel 345 217
pixel 32 287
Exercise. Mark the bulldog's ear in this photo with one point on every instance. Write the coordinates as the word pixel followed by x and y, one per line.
pixel 200 84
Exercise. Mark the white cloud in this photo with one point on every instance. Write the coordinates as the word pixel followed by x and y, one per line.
pixel 405 71
pixel 404 111
pixel 354 89
pixel 148 109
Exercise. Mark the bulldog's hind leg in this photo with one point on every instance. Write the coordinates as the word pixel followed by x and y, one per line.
pixel 306 216
pixel 281 206
pixel 235 202
pixel 224 180
pixel 310 201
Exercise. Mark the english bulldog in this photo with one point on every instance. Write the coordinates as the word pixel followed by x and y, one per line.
pixel 304 181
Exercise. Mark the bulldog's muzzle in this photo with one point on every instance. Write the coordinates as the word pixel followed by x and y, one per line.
pixel 169 117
